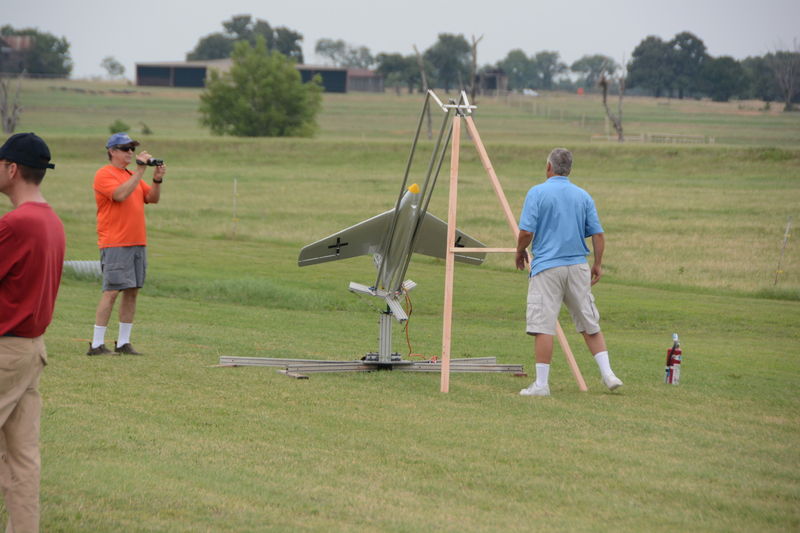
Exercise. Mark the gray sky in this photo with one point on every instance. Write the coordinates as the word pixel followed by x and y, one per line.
pixel 165 30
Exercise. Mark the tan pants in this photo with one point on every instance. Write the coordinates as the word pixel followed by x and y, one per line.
pixel 21 364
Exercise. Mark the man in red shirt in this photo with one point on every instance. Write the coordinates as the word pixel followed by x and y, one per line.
pixel 31 259
pixel 122 238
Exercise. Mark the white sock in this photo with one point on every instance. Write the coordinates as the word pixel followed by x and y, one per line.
pixel 603 363
pixel 542 374
pixel 99 336
pixel 124 333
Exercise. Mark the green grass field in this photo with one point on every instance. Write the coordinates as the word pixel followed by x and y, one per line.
pixel 169 442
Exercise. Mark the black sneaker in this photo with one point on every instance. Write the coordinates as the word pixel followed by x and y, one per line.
pixel 125 349
pixel 100 350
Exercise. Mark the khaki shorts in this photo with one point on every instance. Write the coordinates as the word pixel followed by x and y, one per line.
pixel 124 267
pixel 570 285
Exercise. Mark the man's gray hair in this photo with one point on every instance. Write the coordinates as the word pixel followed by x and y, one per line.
pixel 561 161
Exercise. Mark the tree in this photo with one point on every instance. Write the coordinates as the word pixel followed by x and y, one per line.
pixel 398 69
pixel 239 27
pixel 220 45
pixel 46 54
pixel 724 77
pixel 518 68
pixel 688 57
pixel 592 67
pixel 652 67
pixel 450 59
pixel 759 79
pixel 547 66
pixel 113 67
pixel 262 28
pixel 261 96
pixel 342 54
pixel 287 42
pixel 785 66
pixel 332 50
pixel 359 57
pixel 243 28
pixel 212 46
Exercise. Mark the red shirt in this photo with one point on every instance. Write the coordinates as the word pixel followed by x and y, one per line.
pixel 32 247
pixel 119 223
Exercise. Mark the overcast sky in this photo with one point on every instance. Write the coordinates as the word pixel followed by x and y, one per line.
pixel 165 30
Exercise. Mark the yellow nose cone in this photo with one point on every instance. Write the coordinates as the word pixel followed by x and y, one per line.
pixel 414 189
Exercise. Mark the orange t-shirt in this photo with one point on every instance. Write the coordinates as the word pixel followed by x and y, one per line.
pixel 119 223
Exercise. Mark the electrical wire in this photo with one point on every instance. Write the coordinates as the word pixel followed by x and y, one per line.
pixel 409 310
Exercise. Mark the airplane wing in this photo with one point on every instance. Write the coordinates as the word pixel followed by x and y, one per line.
pixel 433 236
pixel 365 238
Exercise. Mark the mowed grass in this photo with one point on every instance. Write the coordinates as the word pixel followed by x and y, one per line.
pixel 169 442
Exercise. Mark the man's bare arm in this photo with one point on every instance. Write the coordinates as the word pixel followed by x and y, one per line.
pixel 154 195
pixel 127 187
pixel 523 241
pixel 599 246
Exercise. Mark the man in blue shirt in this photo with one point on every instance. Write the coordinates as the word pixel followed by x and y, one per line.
pixel 557 217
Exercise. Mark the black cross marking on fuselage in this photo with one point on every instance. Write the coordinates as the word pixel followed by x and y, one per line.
pixel 458 243
pixel 338 245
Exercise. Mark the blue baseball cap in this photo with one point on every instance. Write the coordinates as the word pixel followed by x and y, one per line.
pixel 120 138
pixel 27 149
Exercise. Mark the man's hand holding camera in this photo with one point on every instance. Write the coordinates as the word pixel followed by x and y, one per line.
pixel 145 159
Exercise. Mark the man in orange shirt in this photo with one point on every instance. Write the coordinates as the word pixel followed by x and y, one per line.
pixel 122 238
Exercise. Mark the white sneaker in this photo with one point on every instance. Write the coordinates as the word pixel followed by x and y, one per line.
pixel 535 390
pixel 612 382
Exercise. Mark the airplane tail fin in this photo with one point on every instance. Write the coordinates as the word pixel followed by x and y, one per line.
pixel 432 241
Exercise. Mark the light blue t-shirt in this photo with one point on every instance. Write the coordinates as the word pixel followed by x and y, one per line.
pixel 561 216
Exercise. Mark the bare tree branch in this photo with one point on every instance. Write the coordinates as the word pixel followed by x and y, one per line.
pixel 474 72
pixel 616 120
pixel 421 65
pixel 9 111
pixel 786 67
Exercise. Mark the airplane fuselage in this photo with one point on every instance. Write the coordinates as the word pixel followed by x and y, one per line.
pixel 392 260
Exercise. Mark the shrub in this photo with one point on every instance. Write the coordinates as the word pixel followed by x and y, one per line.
pixel 118 126
pixel 261 96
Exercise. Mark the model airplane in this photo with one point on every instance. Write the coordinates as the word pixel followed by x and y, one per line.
pixel 391 238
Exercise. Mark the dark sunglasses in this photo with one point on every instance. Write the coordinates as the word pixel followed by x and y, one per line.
pixel 126 148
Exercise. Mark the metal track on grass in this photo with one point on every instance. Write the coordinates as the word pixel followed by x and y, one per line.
pixel 298 367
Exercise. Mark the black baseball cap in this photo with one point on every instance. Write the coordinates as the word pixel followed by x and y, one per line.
pixel 27 149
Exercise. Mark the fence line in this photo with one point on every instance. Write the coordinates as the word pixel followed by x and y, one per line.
pixel 663 138
pixel 541 108
pixel 537 107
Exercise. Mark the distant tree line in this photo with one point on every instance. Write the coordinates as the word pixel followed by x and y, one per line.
pixel 680 67
pixel 447 65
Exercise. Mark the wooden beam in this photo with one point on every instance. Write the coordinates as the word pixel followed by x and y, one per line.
pixel 456 250
pixel 449 270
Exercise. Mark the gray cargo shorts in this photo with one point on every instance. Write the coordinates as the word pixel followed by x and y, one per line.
pixel 123 267
pixel 571 285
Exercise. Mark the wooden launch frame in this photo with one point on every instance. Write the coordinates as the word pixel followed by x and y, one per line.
pixel 463 113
